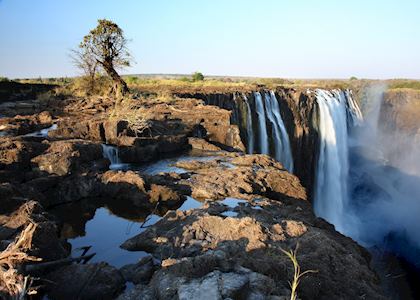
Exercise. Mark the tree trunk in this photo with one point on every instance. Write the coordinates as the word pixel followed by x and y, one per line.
pixel 120 87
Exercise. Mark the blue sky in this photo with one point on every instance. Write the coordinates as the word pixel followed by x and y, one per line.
pixel 278 38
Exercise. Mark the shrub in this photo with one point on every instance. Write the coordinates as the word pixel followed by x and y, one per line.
pixel 132 79
pixel 298 274
pixel 4 79
pixel 185 79
pixel 197 76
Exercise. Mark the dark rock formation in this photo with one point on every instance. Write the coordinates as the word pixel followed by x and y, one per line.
pixel 91 281
pixel 66 157
pixel 299 112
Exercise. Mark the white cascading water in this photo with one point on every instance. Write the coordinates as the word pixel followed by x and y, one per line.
pixel 337 111
pixel 282 149
pixel 111 152
pixel 274 126
pixel 262 126
pixel 249 130
pixel 286 156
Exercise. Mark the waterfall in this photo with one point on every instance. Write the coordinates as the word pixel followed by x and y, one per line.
pixel 249 130
pixel 285 157
pixel 262 126
pixel 111 152
pixel 281 142
pixel 275 128
pixel 331 190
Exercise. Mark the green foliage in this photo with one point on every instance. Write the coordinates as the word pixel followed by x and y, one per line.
pixel 185 79
pixel 353 78
pixel 107 45
pixel 131 79
pixel 104 47
pixel 197 76
pixel 4 79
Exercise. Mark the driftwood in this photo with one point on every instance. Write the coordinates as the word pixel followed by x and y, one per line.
pixel 13 284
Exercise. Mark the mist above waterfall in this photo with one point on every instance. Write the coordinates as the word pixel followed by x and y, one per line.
pixel 384 182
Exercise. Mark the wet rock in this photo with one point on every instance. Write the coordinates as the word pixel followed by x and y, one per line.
pixel 20 125
pixel 66 157
pixel 11 198
pixel 140 291
pixel 138 154
pixel 140 272
pixel 164 195
pixel 90 281
pixel 124 185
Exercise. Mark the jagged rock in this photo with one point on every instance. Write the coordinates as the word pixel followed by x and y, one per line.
pixel 66 157
pixel 90 281
pixel 125 185
pixel 198 242
pixel 164 195
pixel 80 128
pixel 140 272
pixel 16 153
pixel 201 144
pixel 253 174
pixel 20 125
pixel 140 291
pixel 11 198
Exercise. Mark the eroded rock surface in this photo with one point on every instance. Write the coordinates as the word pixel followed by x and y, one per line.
pixel 221 248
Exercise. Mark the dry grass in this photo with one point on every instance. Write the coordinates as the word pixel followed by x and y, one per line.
pixel 131 111
pixel 298 274
pixel 13 284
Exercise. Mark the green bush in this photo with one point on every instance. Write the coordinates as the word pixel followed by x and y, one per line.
pixel 131 79
pixel 185 79
pixel 197 76
pixel 4 79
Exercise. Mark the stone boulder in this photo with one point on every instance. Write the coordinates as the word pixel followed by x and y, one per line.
pixel 16 153
pixel 241 177
pixel 69 156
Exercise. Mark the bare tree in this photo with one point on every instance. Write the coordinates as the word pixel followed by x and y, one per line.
pixel 85 62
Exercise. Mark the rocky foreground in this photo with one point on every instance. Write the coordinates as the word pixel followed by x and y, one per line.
pixel 231 247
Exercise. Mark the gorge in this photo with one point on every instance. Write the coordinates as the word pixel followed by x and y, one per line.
pixel 194 210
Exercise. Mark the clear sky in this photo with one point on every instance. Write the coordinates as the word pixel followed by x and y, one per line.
pixel 277 38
